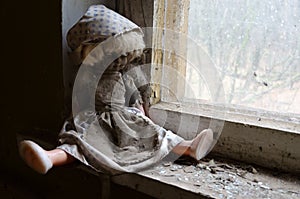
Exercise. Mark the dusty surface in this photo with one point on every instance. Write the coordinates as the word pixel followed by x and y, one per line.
pixel 218 178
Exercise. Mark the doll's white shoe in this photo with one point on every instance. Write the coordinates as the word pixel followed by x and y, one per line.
pixel 202 144
pixel 34 156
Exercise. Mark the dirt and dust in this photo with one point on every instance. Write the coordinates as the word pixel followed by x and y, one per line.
pixel 220 178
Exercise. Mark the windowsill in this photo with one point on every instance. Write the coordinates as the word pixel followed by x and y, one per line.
pixel 259 140
pixel 257 118
pixel 246 142
pixel 211 179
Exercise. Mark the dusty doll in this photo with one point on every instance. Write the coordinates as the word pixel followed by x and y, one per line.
pixel 116 135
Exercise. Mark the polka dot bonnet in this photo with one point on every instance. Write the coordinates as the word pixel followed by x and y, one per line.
pixel 100 23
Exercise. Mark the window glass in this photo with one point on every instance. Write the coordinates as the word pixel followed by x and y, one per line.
pixel 255 47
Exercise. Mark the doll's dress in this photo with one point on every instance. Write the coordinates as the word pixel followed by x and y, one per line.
pixel 115 137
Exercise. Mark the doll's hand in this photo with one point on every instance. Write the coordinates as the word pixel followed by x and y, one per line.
pixel 146 108
pixel 140 107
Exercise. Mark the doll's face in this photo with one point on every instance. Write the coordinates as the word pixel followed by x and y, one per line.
pixel 127 59
pixel 119 64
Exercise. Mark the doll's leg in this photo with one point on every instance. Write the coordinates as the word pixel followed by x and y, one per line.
pixel 41 160
pixel 196 148
pixel 60 157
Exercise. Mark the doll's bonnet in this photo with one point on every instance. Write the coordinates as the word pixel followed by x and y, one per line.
pixel 100 23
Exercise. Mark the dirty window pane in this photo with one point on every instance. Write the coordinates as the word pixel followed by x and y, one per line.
pixel 255 46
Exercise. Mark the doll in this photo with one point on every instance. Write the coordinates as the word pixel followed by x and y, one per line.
pixel 118 135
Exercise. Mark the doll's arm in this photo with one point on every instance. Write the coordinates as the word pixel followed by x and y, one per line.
pixel 137 84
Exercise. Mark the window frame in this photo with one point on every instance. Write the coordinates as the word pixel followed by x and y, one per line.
pixel 248 135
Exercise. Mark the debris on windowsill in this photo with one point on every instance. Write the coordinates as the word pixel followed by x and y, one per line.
pixel 221 178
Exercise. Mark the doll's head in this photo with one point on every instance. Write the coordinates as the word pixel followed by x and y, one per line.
pixel 96 26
